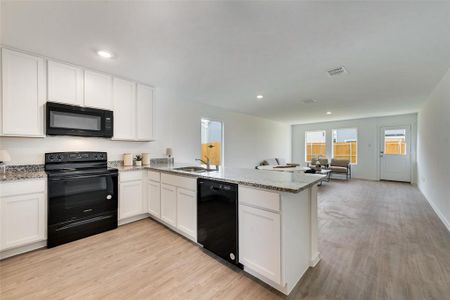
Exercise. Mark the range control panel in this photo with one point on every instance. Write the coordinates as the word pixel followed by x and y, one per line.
pixel 62 157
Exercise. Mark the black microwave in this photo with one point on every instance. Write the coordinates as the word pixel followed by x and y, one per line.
pixel 63 119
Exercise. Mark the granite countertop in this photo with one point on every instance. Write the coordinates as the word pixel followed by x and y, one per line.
pixel 22 175
pixel 292 182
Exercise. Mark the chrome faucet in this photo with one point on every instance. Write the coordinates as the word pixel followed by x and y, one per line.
pixel 207 163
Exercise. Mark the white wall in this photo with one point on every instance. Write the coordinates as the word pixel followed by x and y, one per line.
pixel 368 141
pixel 248 139
pixel 433 150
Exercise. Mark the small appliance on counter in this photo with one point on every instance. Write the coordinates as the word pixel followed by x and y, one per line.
pixel 145 159
pixel 63 119
pixel 82 196
pixel 4 157
pixel 127 159
pixel 217 219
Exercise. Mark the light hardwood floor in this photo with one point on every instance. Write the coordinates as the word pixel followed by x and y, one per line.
pixel 378 240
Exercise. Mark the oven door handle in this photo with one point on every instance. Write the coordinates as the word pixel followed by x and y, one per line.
pixel 80 177
pixel 83 222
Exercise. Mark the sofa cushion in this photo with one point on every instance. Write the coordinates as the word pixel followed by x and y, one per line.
pixel 340 162
pixel 338 169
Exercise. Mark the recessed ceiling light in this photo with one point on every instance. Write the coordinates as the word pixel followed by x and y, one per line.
pixel 259 97
pixel 104 54
pixel 328 112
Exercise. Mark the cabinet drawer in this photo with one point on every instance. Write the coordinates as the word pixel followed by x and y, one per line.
pixel 22 187
pixel 155 176
pixel 180 181
pixel 259 198
pixel 130 176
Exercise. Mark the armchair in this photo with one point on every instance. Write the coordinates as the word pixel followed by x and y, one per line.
pixel 341 166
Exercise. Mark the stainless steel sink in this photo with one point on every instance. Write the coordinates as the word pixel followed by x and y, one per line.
pixel 193 169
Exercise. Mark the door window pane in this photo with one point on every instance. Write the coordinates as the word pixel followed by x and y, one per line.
pixel 211 142
pixel 395 141
pixel 345 144
pixel 315 145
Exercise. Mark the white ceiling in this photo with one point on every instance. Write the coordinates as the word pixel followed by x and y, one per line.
pixel 225 53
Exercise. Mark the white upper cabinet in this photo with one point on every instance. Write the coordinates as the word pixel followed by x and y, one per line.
pixel 23 94
pixel 65 83
pixel 27 84
pixel 98 90
pixel 124 99
pixel 145 115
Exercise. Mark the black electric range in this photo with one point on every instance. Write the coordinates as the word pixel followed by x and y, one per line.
pixel 82 195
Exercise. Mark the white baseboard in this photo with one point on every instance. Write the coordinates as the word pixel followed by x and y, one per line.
pixel 437 211
pixel 315 261
pixel 133 219
pixel 22 249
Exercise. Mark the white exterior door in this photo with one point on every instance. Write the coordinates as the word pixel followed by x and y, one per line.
pixel 395 153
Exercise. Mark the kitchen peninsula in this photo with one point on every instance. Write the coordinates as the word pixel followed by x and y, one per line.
pixel 277 212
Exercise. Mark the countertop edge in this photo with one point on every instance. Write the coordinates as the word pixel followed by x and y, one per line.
pixel 21 176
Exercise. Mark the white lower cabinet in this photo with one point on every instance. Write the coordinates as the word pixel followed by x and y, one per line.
pixel 179 204
pixel 169 204
pixel 260 241
pixel 131 195
pixel 187 212
pixel 131 203
pixel 154 198
pixel 23 213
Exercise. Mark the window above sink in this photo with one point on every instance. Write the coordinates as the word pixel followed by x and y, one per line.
pixel 211 143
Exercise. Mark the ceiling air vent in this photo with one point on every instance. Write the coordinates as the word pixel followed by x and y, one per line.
pixel 309 101
pixel 337 71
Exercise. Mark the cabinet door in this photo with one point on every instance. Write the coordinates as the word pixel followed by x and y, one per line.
pixel 187 212
pixel 23 94
pixel 260 229
pixel 131 202
pixel 154 198
pixel 98 90
pixel 124 99
pixel 65 83
pixel 169 204
pixel 23 220
pixel 145 116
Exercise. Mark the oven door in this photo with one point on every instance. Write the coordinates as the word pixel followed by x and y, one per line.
pixel 72 198
pixel 65 119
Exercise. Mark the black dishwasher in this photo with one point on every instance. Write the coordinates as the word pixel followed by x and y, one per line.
pixel 217 218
